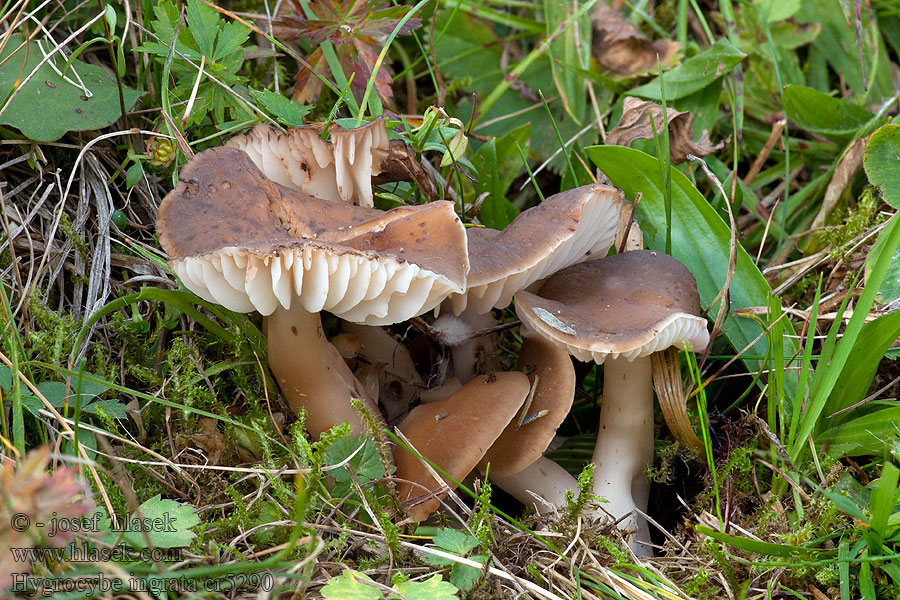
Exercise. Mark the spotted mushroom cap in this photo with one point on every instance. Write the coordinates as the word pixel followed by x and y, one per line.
pixel 564 229
pixel 236 238
pixel 624 306
pixel 340 170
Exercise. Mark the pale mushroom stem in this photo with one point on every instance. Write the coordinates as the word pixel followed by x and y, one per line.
pixel 625 446
pixel 311 372
pixel 543 478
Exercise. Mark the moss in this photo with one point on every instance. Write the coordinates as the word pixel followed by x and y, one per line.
pixel 851 222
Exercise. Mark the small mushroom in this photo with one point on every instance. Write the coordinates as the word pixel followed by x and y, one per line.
pixel 341 170
pixel 618 311
pixel 454 433
pixel 237 239
pixel 516 462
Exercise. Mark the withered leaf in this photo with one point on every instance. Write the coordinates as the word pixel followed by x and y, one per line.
pixel 635 124
pixel 620 46
pixel 354 28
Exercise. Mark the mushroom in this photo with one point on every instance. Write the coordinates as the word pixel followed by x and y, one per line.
pixel 454 433
pixel 564 229
pixel 237 239
pixel 618 311
pixel 341 170
pixel 516 459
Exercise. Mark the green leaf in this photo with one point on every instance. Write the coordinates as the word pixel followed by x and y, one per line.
pixel 463 576
pixel 113 408
pixel 287 111
pixel 823 114
pixel 430 589
pixel 856 377
pixel 133 175
pixel 882 162
pixel 46 93
pixel 5 379
pixel 365 465
pixel 870 433
pixel 499 164
pixel 231 37
pixel 695 73
pixel 453 541
pixel 700 239
pixel 166 522
pixel 55 392
pixel 777 10
pixel 203 23
pixel 349 586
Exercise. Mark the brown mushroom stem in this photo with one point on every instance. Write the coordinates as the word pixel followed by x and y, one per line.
pixel 625 446
pixel 311 372
pixel 542 478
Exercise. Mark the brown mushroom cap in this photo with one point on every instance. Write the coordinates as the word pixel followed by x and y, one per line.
pixel 627 305
pixel 454 433
pixel 340 170
pixel 237 239
pixel 550 369
pixel 564 229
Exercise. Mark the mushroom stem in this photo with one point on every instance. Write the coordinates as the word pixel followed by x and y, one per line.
pixel 625 446
pixel 311 372
pixel 543 478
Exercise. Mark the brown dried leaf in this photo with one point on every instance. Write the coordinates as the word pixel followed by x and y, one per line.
pixel 210 440
pixel 635 124
pixel 621 47
pixel 307 86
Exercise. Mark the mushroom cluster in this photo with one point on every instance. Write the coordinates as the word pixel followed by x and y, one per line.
pixel 284 224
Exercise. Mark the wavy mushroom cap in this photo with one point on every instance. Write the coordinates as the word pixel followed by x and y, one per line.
pixel 564 229
pixel 628 305
pixel 340 170
pixel 236 238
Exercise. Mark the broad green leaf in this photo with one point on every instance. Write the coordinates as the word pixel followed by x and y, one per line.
pixel 819 113
pixel 856 377
pixel 695 73
pixel 868 434
pixel 349 586
pixel 836 46
pixel 777 10
pixel 47 93
pixel 55 392
pixel 5 379
pixel 573 47
pixel 287 111
pixel 453 541
pixel 700 239
pixel 365 465
pixel 133 175
pixel 166 522
pixel 433 588
pixel 463 576
pixel 882 162
pixel 112 408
